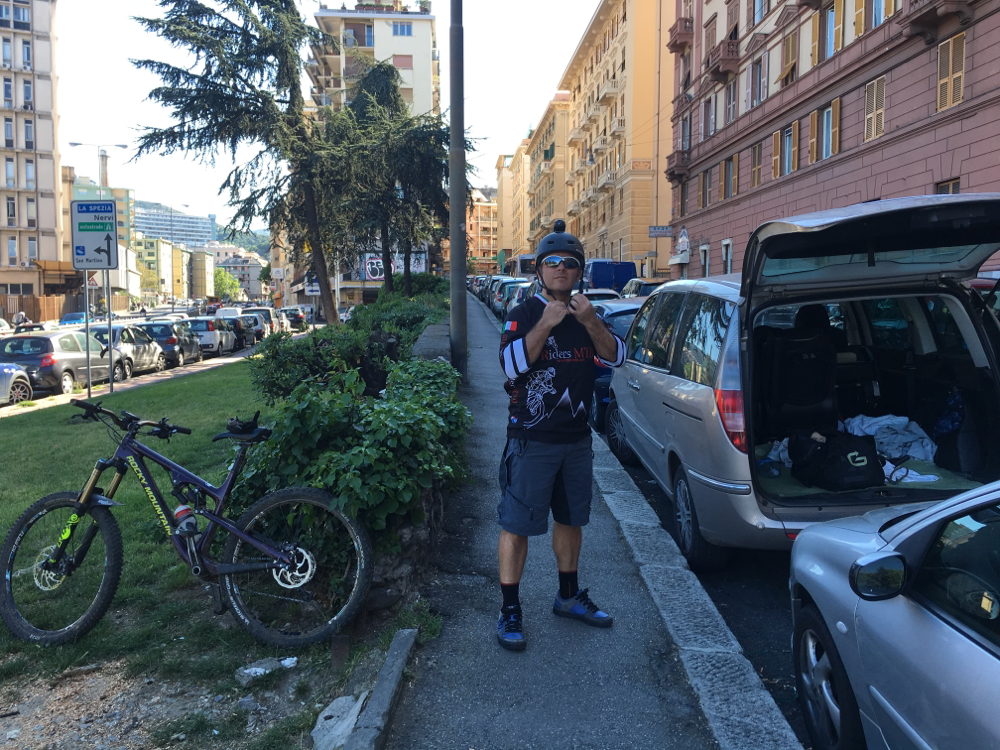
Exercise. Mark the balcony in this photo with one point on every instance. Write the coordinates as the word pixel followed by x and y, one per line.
pixel 593 114
pixel 601 144
pixel 545 168
pixel 723 60
pixel 589 197
pixel 617 128
pixel 678 165
pixel 609 91
pixel 576 136
pixel 681 35
pixel 573 209
pixel 606 182
pixel 923 18
pixel 581 167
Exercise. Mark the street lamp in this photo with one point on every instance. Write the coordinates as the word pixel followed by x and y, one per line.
pixel 101 176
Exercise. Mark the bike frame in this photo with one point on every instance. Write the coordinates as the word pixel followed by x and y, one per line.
pixel 131 454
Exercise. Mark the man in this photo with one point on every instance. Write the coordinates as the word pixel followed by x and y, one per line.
pixel 547 351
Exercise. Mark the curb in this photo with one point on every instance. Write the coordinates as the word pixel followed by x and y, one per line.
pixel 739 711
pixel 369 732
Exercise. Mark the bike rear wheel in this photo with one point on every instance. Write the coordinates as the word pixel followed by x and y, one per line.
pixel 59 606
pixel 326 589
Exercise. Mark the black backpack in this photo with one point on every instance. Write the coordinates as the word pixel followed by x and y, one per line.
pixel 844 462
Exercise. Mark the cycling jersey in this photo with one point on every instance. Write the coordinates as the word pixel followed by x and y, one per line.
pixel 549 398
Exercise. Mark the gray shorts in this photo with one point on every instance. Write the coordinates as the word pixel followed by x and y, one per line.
pixel 536 478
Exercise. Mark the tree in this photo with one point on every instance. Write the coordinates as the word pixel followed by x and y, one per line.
pixel 243 88
pixel 265 274
pixel 255 241
pixel 226 285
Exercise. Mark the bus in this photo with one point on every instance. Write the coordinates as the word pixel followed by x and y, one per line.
pixel 523 266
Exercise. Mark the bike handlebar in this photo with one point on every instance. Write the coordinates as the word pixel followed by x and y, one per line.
pixel 162 429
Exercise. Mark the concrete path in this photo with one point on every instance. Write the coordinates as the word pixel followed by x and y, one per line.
pixel 574 686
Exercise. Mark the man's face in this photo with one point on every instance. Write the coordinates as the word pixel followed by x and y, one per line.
pixel 560 279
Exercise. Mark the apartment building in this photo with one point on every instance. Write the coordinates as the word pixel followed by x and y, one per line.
pixel 31 263
pixel 158 255
pixel 175 226
pixel 82 188
pixel 546 187
pixel 616 128
pixel 482 228
pixel 380 31
pixel 788 108
pixel 520 175
pixel 246 268
pixel 202 274
pixel 505 208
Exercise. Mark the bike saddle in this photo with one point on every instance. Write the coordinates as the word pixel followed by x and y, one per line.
pixel 238 427
pixel 247 432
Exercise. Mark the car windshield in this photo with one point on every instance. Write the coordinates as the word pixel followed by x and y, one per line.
pixel 621 322
pixel 24 346
pixel 157 331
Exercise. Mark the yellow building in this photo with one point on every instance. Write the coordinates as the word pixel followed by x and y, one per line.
pixel 158 255
pixel 505 207
pixel 181 275
pixel 547 184
pixel 202 274
pixel 520 174
pixel 620 94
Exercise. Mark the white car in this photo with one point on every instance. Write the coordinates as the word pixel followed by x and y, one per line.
pixel 267 314
pixel 215 335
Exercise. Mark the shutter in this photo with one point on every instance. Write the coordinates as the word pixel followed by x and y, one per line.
pixel 838 25
pixel 749 74
pixel 814 55
pixel 763 75
pixel 889 8
pixel 795 145
pixel 859 18
pixel 722 180
pixel 813 124
pixel 944 75
pixel 776 155
pixel 835 126
pixel 711 115
pixel 701 179
pixel 957 67
pixel 749 15
pixel 869 111
pixel 879 106
pixel 736 173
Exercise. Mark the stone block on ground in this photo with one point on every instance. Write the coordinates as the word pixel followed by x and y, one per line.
pixel 336 722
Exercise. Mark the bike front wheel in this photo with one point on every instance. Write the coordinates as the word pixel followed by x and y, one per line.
pixel 59 605
pixel 325 589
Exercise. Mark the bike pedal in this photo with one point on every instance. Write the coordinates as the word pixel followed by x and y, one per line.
pixel 218 603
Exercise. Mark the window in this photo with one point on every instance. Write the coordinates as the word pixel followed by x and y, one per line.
pixel 634 345
pixel 951 187
pixel 874 108
pixel 824 132
pixel 30 211
pixel 22 19
pixel 757 82
pixel 710 34
pixel 959 575
pixel 11 212
pixel 756 164
pixel 29 173
pixel 686 132
pixel 401 28
pixel 369 36
pixel 26 54
pixel 889 327
pixel 685 69
pixel 789 57
pixel 403 62
pixel 704 330
pixel 785 156
pixel 661 332
pixel 12 251
pixel 878 12
pixel 727 256
pixel 8 92
pixel 705 188
pixel 951 71
pixel 29 133
pixel 7 53
pixel 8 132
pixel 684 197
pixel 5 16
pixel 732 20
pixel 708 118
pixel 27 92
pixel 824 24
pixel 732 111
pixel 68 343
pixel 756 10
pixel 32 248
pixel 729 171
pixel 705 253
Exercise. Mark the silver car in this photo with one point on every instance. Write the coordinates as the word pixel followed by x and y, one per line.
pixel 137 349
pixel 15 385
pixel 853 319
pixel 896 620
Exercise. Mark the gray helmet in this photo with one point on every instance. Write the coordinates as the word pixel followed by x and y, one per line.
pixel 559 241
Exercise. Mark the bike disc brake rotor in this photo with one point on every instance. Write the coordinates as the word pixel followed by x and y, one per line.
pixel 299 575
pixel 46 580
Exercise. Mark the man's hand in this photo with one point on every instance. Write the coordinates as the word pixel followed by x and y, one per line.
pixel 553 315
pixel 580 308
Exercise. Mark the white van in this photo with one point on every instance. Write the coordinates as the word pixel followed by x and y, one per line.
pixel 228 312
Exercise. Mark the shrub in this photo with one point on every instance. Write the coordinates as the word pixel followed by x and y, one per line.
pixel 423 283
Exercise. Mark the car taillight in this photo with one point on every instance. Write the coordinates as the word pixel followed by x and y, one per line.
pixel 729 393
pixel 172 340
pixel 211 326
pixel 48 360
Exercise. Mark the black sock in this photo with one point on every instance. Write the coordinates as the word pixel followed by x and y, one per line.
pixel 567 584
pixel 511 594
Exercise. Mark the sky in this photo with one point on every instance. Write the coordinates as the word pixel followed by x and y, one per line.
pixel 513 62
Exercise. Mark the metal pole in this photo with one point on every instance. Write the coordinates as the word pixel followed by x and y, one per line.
pixel 111 338
pixel 86 323
pixel 456 179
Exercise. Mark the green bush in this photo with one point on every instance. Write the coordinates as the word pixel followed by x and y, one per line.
pixel 422 283
pixel 376 456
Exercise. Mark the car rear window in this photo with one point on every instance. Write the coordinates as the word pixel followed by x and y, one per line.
pixel 158 331
pixel 621 322
pixel 22 346
pixel 199 325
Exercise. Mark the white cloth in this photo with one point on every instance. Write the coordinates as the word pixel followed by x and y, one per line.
pixel 779 452
pixel 903 474
pixel 894 436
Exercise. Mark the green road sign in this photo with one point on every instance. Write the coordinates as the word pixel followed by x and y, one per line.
pixel 95 240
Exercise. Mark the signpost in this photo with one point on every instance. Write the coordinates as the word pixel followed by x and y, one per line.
pixel 667 231
pixel 312 290
pixel 95 248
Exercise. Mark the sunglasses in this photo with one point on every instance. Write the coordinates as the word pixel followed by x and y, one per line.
pixel 553 261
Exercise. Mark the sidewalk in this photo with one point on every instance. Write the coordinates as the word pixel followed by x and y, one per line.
pixel 574 686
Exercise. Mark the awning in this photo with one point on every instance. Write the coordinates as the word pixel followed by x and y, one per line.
pixel 55 266
pixel 682 258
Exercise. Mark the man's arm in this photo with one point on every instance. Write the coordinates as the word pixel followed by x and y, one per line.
pixel 609 348
pixel 518 351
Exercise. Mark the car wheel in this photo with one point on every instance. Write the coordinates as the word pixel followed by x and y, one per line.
pixel 66 382
pixel 127 364
pixel 616 436
pixel 700 555
pixel 20 390
pixel 824 689
pixel 180 358
pixel 119 372
pixel 161 362
pixel 596 413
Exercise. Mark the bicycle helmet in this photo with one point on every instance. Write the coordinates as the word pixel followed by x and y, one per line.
pixel 559 241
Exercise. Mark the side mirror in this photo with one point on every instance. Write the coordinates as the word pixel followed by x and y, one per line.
pixel 878 576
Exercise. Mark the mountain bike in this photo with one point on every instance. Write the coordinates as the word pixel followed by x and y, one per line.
pixel 293 569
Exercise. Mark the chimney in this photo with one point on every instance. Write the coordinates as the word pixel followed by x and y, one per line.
pixel 103 179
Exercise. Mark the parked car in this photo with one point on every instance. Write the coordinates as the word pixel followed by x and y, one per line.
pixel 243 335
pixel 601 273
pixel 520 294
pixel 4 326
pixel 503 293
pixel 214 335
pixel 282 321
pixel 638 287
pixel 896 626
pixel 226 312
pixel 616 314
pixel 74 318
pixel 268 315
pixel 345 313
pixel 139 351
pixel 29 327
pixel 256 321
pixel 55 360
pixel 177 340
pixel 710 391
pixel 15 385
pixel 599 295
pixel 295 316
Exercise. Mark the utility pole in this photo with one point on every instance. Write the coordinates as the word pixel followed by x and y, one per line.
pixel 456 179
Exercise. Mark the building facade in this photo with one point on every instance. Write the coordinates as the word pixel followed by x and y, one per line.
pixel 31 263
pixel 482 228
pixel 505 208
pixel 380 31
pixel 546 186
pixel 202 274
pixel 819 104
pixel 175 226
pixel 180 286
pixel 520 174
pixel 158 256
pixel 246 270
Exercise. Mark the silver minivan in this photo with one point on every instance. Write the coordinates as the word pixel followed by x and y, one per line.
pixel 851 320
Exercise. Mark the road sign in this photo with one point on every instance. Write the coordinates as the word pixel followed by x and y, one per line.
pixel 95 243
pixel 92 282
pixel 661 231
pixel 312 285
